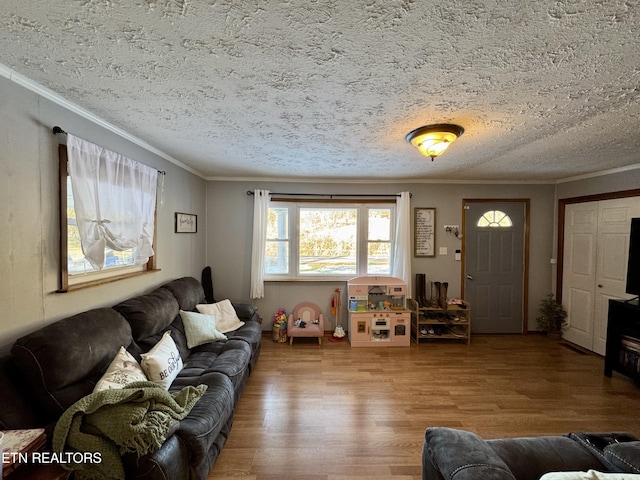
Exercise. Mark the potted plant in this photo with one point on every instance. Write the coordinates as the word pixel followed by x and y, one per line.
pixel 551 316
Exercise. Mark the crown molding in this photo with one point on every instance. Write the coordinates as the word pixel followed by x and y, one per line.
pixel 58 99
pixel 599 174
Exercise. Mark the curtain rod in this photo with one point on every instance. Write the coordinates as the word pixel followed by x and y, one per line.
pixel 57 130
pixel 332 195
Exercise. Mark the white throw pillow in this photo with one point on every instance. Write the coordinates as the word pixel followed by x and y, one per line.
pixel 163 362
pixel 226 317
pixel 122 370
pixel 200 328
pixel 589 475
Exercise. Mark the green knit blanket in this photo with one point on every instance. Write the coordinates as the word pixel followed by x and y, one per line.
pixel 117 421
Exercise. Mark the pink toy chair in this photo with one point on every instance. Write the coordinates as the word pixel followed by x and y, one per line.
pixel 309 313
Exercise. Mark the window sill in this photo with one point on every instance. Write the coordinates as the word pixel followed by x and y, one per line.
pixel 103 281
pixel 310 279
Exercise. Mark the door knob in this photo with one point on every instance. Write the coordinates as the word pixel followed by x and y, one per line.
pixel 469 277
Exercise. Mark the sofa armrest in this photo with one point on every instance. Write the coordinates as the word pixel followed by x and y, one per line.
pixel 459 455
pixel 19 409
pixel 170 461
pixel 246 312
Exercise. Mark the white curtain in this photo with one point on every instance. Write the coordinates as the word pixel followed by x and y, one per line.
pixel 261 200
pixel 402 245
pixel 114 199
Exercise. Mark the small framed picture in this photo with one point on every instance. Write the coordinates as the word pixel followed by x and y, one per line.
pixel 186 223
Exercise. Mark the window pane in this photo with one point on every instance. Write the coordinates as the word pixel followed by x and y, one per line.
pixel 328 241
pixel 379 241
pixel 379 258
pixel 495 218
pixel 277 246
pixel 76 263
pixel 380 224
pixel 277 257
pixel 278 224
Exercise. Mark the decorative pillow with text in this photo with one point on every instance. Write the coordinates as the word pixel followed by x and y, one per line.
pixel 163 362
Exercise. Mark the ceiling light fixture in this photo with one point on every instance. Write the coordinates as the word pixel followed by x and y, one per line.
pixel 433 140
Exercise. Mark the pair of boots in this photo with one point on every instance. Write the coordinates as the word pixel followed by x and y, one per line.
pixel 438 297
pixel 441 294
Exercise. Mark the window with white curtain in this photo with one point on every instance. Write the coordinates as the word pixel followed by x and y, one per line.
pixel 325 241
pixel 107 215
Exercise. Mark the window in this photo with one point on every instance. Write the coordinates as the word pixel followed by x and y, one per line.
pixel 76 263
pixel 495 218
pixel 325 241
pixel 379 242
pixel 76 271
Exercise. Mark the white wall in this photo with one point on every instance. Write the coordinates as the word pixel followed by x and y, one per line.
pixel 230 228
pixel 29 226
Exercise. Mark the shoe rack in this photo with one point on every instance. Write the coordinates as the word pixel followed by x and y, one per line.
pixel 453 322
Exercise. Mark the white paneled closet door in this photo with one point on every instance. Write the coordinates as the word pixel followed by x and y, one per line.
pixel 596 248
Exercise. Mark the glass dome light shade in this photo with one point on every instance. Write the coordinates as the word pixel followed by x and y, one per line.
pixel 433 140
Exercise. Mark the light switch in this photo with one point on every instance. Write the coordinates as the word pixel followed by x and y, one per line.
pixel 443 250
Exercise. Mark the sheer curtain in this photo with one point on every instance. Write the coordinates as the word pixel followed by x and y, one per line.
pixel 114 199
pixel 261 200
pixel 402 245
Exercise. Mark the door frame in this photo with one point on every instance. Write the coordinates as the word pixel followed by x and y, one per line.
pixel 525 280
pixel 562 203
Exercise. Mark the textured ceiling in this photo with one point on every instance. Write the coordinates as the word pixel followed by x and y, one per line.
pixel 329 88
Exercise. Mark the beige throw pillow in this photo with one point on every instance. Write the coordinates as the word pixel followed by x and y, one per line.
pixel 163 362
pixel 226 317
pixel 122 370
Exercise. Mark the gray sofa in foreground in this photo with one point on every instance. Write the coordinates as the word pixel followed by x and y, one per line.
pixel 460 455
pixel 52 368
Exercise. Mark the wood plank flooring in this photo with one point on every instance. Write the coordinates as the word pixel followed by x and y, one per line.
pixel 331 412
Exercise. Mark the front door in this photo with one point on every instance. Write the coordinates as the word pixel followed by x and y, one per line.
pixel 494 246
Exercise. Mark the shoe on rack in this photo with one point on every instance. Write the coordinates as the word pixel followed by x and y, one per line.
pixel 457 331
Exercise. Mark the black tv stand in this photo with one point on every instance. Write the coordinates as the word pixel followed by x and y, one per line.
pixel 623 339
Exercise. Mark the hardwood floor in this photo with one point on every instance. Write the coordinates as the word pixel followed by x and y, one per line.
pixel 331 412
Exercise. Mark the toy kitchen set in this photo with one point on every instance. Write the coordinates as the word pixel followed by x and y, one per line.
pixel 378 315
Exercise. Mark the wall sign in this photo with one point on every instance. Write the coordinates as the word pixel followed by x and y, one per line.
pixel 424 232
pixel 186 223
